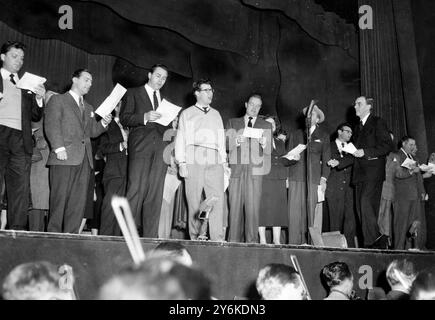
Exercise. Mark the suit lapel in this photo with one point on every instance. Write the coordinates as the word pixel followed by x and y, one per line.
pixel 144 96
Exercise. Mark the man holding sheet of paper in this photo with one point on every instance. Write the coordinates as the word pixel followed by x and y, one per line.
pixel 201 157
pixel 18 107
pixel 146 168
pixel 373 143
pixel 409 194
pixel 249 145
pixel 319 147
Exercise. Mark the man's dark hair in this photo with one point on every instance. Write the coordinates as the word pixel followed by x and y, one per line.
pixel 197 84
pixel 11 44
pixel 405 139
pixel 158 65
pixel 334 273
pixel 78 72
pixel 342 125
pixel 171 246
pixel 425 281
pixel 255 95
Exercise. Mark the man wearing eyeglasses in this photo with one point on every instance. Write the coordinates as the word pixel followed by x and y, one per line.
pixel 373 143
pixel 201 157
pixel 339 192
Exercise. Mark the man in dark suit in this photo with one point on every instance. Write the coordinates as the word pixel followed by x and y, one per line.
pixel 339 192
pixel 373 143
pixel 17 109
pixel 249 160
pixel 146 168
pixel 69 124
pixel 113 145
pixel 408 184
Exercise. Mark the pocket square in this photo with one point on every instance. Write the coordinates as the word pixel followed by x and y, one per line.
pixel 318 140
pixel 92 114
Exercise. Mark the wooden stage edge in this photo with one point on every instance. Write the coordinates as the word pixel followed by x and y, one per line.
pixel 232 267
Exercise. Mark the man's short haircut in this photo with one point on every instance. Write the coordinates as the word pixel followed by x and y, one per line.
pixel 158 65
pixel 172 246
pixel 173 250
pixel 405 267
pixel 32 281
pixel 78 72
pixel 425 281
pixel 11 44
pixel 197 84
pixel 273 277
pixel 335 273
pixel 342 125
pixel 254 95
pixel 405 139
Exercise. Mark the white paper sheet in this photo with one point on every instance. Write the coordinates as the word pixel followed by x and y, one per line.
pixel 30 81
pixel 430 167
pixel 168 111
pixel 297 150
pixel 350 148
pixel 253 133
pixel 111 101
pixel 408 163
pixel 170 186
pixel 320 194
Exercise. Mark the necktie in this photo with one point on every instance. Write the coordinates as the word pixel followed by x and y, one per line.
pixel 12 78
pixel 156 101
pixel 342 144
pixel 250 122
pixel 81 106
pixel 205 109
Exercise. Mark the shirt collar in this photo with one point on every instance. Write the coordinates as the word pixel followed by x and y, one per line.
pixel 339 143
pixel 202 108
pixel 6 74
pixel 364 120
pixel 75 96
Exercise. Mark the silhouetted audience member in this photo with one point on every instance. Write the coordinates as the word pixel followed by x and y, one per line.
pixel 400 275
pixel 339 279
pixel 423 287
pixel 280 282
pixel 36 281
pixel 157 279
pixel 172 250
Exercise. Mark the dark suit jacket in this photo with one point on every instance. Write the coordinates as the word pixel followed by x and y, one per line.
pixel 320 148
pixel 30 111
pixel 241 155
pixel 116 160
pixel 339 177
pixel 407 186
pixel 397 295
pixel 376 142
pixel 136 104
pixel 64 127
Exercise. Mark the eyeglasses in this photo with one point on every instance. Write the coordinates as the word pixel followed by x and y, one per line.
pixel 348 131
pixel 206 90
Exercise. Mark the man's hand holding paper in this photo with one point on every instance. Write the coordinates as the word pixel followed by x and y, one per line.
pixel 409 164
pixel 33 83
pixel 350 148
pixel 294 154
pixel 168 112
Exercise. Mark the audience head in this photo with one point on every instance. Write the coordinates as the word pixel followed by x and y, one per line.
pixel 408 144
pixel 276 124
pixel 337 275
pixel 35 281
pixel 253 105
pixel 203 91
pixel 81 81
pixel 12 56
pixel 344 132
pixel 423 287
pixel 400 274
pixel 173 250
pixel 157 279
pixel 363 106
pixel 280 282
pixel 157 76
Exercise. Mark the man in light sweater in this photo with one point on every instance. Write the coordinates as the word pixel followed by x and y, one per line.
pixel 201 156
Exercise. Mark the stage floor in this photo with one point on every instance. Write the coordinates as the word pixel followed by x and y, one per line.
pixel 232 267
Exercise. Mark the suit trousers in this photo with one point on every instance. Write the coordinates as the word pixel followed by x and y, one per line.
pixel 15 166
pixel 69 190
pixel 210 179
pixel 405 213
pixel 244 201
pixel 108 224
pixel 342 214
pixel 367 200
pixel 146 177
